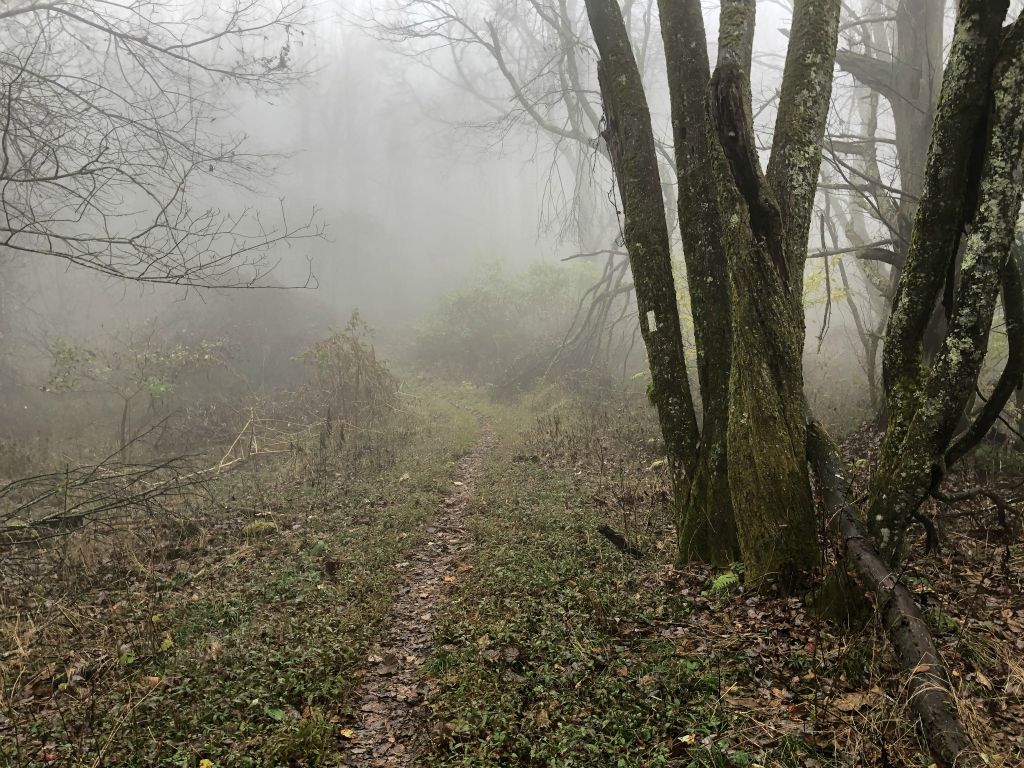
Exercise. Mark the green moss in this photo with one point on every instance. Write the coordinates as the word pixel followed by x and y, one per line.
pixel 259 529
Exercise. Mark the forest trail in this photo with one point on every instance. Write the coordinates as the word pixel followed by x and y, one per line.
pixel 389 703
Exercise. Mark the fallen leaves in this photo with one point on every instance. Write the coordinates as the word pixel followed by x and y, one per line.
pixel 853 702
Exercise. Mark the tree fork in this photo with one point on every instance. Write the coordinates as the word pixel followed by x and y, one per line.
pixel 768 476
pixel 941 213
pixel 913 457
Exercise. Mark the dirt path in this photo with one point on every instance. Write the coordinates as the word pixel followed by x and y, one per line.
pixel 389 701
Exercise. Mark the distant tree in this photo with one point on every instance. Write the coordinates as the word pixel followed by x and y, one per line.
pixel 893 49
pixel 109 141
pixel 137 364
pixel 529 66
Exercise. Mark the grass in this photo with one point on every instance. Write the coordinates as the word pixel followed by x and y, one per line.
pixel 556 651
pixel 240 649
pixel 235 636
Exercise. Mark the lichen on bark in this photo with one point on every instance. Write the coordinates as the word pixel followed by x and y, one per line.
pixel 914 450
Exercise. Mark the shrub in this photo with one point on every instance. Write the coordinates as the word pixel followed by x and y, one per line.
pixel 496 324
pixel 349 382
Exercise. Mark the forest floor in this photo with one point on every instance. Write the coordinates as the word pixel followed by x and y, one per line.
pixel 441 597
pixel 388 702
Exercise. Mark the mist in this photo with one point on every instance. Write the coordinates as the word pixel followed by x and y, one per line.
pixel 511 383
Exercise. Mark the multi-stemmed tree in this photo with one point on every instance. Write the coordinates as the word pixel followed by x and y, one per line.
pixel 741 481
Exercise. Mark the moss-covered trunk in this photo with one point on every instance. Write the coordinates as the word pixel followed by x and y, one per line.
pixel 768 475
pixel 745 240
pixel 929 402
pixel 765 228
pixel 706 529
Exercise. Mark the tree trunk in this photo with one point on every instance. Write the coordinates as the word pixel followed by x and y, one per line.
pixel 928 403
pixel 765 235
pixel 706 528
pixel 631 147
pixel 942 210
pixel 745 241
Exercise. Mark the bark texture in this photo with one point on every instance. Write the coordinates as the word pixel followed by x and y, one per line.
pixel 631 146
pixel 939 224
pixel 706 529
pixel 745 241
pixel 1012 375
pixel 928 402
pixel 765 230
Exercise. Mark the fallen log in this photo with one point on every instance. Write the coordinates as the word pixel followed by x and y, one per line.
pixel 930 692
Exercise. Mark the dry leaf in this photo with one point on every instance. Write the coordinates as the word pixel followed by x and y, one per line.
pixel 851 702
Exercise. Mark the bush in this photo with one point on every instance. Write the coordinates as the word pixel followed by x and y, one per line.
pixel 349 382
pixel 495 324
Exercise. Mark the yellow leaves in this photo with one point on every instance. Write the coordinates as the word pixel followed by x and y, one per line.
pixel 205 763
pixel 347 733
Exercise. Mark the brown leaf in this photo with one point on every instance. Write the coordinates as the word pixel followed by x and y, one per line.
pixel 851 702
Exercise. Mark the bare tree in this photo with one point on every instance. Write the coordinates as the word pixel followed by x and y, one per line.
pixel 529 65
pixel 110 141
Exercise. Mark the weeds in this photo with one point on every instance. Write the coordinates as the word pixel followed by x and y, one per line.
pixel 233 633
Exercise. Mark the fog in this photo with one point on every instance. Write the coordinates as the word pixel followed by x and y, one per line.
pixel 421 174
pixel 390 383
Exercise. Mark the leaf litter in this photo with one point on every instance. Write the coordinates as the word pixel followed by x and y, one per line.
pixel 389 710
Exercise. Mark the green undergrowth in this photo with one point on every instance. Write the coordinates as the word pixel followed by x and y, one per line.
pixel 556 650
pixel 239 650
